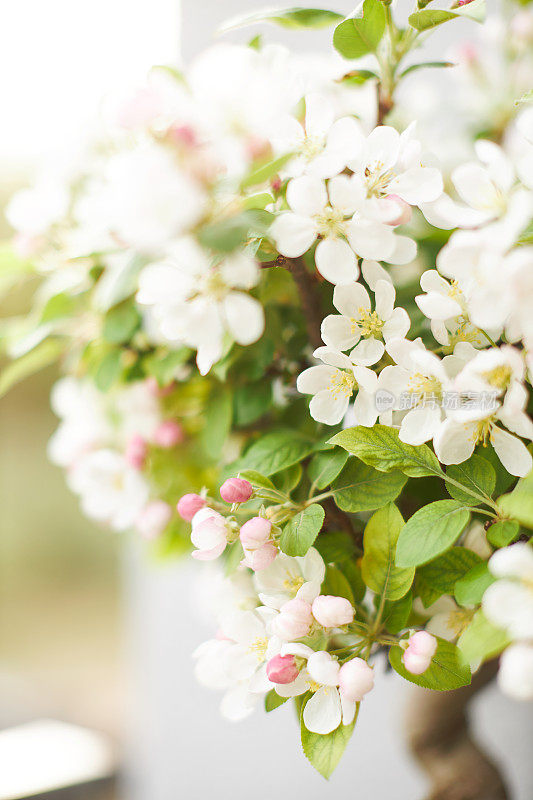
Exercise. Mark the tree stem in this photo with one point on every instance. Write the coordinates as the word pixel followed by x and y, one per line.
pixel 307 286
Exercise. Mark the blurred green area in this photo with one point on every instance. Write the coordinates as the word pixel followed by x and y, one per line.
pixel 59 575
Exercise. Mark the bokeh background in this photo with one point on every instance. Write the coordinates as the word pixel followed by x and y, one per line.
pixel 91 632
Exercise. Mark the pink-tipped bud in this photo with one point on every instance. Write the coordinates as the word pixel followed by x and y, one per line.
pixel 276 184
pixel 420 650
pixel 236 490
pixel 189 504
pixel 255 533
pixel 168 434
pixel 183 135
pixel 136 451
pixel 294 620
pixel 153 519
pixel 356 678
pixel 282 669
pixel 405 211
pixel 261 558
pixel 331 612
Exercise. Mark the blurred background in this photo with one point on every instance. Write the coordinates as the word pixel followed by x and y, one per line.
pixel 91 634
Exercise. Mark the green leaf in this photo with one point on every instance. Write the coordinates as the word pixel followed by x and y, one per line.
pixel 378 569
pixel 252 401
pixel 448 669
pixel 42 356
pixel 121 323
pixel 263 171
pixel 225 236
pixel 276 451
pixel 396 613
pixel 273 700
pixel 218 417
pixel 471 587
pixel 294 18
pixel 440 575
pixel 482 640
pixel 288 479
pixel 503 532
pixel 325 751
pixel 352 572
pixel 476 474
pixel 361 34
pixel 335 546
pixel 432 64
pixel 256 479
pixel 336 583
pixel 430 531
pixel 108 370
pixel 362 488
pixel 301 531
pixel 519 502
pixel 59 306
pixel 359 76
pixel 325 466
pixel 432 17
pixel 164 367
pixel 380 447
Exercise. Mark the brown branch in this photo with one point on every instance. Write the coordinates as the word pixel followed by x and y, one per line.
pixel 385 104
pixel 307 286
pixel 440 738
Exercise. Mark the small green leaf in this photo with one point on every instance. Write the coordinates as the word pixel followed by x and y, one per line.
pixel 362 488
pixel 265 170
pixel 325 751
pixel 293 18
pixel 476 474
pixel 378 569
pixel 288 479
pixel 325 466
pixel 503 532
pixel 471 587
pixel 251 402
pixel 164 366
pixel 440 575
pixel 336 584
pixel 396 613
pixel 225 236
pixel 432 17
pixel 380 447
pixel 335 546
pixel 361 33
pixel 109 370
pixel 432 64
pixel 273 700
pixel 121 323
pixel 218 417
pixel 276 451
pixel 448 669
pixel 519 502
pixel 482 640
pixel 256 479
pixel 430 531
pixel 301 531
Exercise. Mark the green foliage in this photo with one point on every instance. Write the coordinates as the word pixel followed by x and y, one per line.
pixel 108 370
pixel 361 33
pixel 276 451
pixel 336 546
pixel 224 237
pixel 162 365
pixel 251 402
pixel 264 170
pixel 482 640
pixel 256 479
pixel 293 18
pixel 519 503
pixel 380 447
pixel 503 532
pixel 430 18
pixel 121 323
pixel 431 531
pixel 448 669
pixel 273 700
pixel 439 576
pixel 471 587
pixel 336 583
pixel 325 751
pixel 301 531
pixel 218 418
pixel 426 64
pixel 324 467
pixel 42 356
pixel 362 488
pixel 477 475
pixel 397 612
pixel 378 568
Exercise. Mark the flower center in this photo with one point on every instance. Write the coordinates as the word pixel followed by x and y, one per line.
pixel 425 387
pixel 293 583
pixel 214 285
pixel 342 383
pixel 482 430
pixel 259 648
pixel 377 181
pixel 313 685
pixel 499 377
pixel 311 147
pixel 369 323
pixel 330 222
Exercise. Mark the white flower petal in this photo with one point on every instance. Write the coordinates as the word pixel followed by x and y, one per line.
pixel 328 408
pixel 419 425
pixel 322 712
pixel 315 379
pixel 512 452
pixel 339 332
pixel 293 234
pixel 336 261
pixel 307 195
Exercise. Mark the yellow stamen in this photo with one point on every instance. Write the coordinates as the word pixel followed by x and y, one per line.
pixel 342 383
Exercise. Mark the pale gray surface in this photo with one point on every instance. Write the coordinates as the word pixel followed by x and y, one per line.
pixel 180 746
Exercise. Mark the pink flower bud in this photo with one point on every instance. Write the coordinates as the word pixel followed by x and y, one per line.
pixel 356 678
pixel 183 135
pixel 153 519
pixel 405 211
pixel 255 533
pixel 331 612
pixel 294 620
pixel 282 669
pixel 261 558
pixel 168 434
pixel 189 504
pixel 414 663
pixel 136 451
pixel 236 490
pixel 276 184
pixel 423 644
